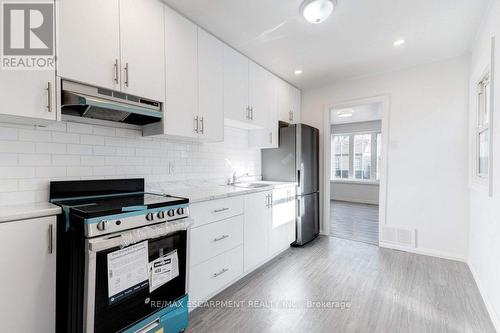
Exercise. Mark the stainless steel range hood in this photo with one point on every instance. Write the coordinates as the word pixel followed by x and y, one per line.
pixel 85 101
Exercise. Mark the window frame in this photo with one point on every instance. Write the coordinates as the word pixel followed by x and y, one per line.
pixel 482 127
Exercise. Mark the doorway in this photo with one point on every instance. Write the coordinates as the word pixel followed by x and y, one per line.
pixel 355 171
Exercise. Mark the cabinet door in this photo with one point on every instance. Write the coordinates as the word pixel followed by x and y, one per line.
pixel 210 87
pixel 258 215
pixel 28 97
pixel 235 85
pixel 284 102
pixel 295 104
pixel 88 44
pixel 267 137
pixel 181 103
pixel 282 227
pixel 28 285
pixel 142 48
pixel 259 94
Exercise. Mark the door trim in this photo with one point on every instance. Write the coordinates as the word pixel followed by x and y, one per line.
pixel 386 103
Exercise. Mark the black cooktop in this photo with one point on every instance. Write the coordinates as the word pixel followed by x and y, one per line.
pixel 118 203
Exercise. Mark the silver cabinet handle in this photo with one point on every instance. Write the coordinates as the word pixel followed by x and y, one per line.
pixel 116 71
pixel 196 124
pixel 216 239
pixel 49 96
pixel 290 115
pixel 51 238
pixel 224 270
pixel 248 112
pixel 202 125
pixel 251 113
pixel 270 137
pixel 126 74
pixel 270 200
pixel 220 210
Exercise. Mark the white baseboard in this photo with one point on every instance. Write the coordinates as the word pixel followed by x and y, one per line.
pixel 491 311
pixel 423 251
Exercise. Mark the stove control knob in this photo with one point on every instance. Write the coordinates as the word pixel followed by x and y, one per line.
pixel 171 213
pixel 180 211
pixel 150 217
pixel 101 226
pixel 161 214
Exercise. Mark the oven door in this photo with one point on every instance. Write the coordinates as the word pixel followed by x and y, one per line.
pixel 111 309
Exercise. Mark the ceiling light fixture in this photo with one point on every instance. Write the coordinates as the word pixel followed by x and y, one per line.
pixel 316 11
pixel 298 72
pixel 399 42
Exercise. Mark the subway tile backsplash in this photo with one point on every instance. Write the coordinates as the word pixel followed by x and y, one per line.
pixel 30 157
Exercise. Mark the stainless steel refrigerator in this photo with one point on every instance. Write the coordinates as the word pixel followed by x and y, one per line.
pixel 297 160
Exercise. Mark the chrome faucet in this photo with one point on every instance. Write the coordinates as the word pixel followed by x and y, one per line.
pixel 234 179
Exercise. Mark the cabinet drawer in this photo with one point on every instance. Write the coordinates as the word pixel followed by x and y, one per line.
pixel 215 238
pixel 213 275
pixel 215 210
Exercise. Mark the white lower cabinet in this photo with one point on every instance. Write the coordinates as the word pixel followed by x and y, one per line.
pixel 258 216
pixel 282 226
pixel 233 236
pixel 215 274
pixel 28 289
pixel 215 238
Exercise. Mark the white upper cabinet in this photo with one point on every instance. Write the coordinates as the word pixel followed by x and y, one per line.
pixel 181 103
pixel 142 48
pixel 28 97
pixel 88 44
pixel 267 137
pixel 116 44
pixel 194 103
pixel 288 103
pixel 295 105
pixel 236 102
pixel 210 87
pixel 260 94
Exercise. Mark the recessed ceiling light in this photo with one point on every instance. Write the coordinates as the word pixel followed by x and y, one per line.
pixel 316 11
pixel 345 113
pixel 399 42
pixel 298 72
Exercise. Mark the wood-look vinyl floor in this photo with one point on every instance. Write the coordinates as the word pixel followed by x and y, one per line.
pixel 354 221
pixel 387 290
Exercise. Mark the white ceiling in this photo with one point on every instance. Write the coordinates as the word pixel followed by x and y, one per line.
pixel 355 41
pixel 366 112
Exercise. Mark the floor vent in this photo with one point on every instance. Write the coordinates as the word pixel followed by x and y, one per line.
pixel 399 235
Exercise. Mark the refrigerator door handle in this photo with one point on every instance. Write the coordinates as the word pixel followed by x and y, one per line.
pixel 298 178
pixel 298 207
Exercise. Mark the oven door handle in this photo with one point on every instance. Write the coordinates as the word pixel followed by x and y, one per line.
pixel 149 327
pixel 115 240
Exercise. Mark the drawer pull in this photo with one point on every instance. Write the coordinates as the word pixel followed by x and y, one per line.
pixel 220 210
pixel 216 239
pixel 224 270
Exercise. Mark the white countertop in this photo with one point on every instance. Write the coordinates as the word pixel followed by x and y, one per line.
pixel 205 192
pixel 28 211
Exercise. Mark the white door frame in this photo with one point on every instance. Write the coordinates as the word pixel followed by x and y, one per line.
pixel 385 100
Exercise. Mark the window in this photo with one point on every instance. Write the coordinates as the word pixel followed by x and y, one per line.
pixel 355 156
pixel 483 128
pixel 340 155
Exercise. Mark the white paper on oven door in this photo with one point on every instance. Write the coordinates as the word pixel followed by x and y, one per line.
pixel 163 269
pixel 127 271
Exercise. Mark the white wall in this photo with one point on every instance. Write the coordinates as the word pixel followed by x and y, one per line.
pixel 484 240
pixel 355 192
pixel 32 156
pixel 427 157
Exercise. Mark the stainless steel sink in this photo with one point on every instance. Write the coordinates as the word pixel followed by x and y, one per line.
pixel 250 185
